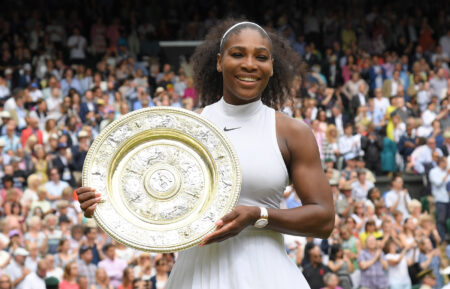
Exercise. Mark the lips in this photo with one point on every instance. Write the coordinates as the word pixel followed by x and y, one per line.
pixel 247 78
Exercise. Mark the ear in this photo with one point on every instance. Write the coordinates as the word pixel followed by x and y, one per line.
pixel 219 62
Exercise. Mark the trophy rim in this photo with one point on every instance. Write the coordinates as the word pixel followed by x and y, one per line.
pixel 106 132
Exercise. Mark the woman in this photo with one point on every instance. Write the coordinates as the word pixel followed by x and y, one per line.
pixel 330 148
pixel 34 234
pixel 373 196
pixel 69 280
pixel 30 193
pixel 101 280
pixel 398 266
pixel 144 269
pixel 159 280
pixel 430 258
pixel 341 264
pixel 370 230
pixel 388 164
pixel 127 279
pixel 251 70
pixel 359 216
pixel 40 163
pixel 6 282
pixel 63 256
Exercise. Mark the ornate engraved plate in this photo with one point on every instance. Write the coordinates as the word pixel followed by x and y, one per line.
pixel 166 175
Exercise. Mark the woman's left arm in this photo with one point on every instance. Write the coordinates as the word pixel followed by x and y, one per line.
pixel 315 218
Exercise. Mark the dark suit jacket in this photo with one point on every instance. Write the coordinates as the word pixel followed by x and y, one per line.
pixel 84 109
pixel 355 103
pixel 57 163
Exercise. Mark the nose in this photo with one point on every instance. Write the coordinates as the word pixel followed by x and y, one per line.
pixel 248 63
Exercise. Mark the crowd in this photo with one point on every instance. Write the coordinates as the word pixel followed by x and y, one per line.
pixel 376 96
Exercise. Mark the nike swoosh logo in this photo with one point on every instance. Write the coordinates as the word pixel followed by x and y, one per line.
pixel 228 129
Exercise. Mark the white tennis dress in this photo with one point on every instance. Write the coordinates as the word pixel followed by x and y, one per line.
pixel 255 258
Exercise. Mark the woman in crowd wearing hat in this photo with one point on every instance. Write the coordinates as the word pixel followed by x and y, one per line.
pixel 242 73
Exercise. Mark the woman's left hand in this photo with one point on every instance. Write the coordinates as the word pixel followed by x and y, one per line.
pixel 232 224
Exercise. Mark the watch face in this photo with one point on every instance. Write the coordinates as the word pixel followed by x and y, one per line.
pixel 261 223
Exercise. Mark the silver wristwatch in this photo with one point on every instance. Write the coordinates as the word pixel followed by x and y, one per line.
pixel 263 219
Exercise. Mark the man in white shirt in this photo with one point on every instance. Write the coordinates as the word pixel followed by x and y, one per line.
pixel 439 178
pixel 36 280
pixel 439 83
pixel 361 187
pixel 381 103
pixel 77 44
pixel 55 186
pixel 16 269
pixel 347 143
pixel 398 198
pixel 424 156
pixel 444 41
pixel 428 116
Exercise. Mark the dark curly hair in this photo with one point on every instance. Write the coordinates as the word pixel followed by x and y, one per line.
pixel 209 82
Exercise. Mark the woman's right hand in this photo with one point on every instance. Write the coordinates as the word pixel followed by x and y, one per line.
pixel 88 199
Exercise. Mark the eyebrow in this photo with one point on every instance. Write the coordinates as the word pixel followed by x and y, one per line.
pixel 260 48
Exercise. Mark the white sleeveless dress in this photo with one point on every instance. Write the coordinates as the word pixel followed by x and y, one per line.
pixel 255 258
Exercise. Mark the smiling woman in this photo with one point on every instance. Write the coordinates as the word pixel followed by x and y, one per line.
pixel 243 74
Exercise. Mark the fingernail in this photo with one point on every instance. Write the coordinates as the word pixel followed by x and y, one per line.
pixel 98 199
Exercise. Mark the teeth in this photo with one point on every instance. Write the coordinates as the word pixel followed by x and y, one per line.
pixel 248 79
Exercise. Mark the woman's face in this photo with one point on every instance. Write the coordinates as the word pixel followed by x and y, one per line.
pixel 74 269
pixel 5 282
pixel 375 194
pixel 246 65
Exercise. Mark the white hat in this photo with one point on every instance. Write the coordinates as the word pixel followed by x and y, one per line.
pixel 83 133
pixel 2 142
pixel 27 66
pixel 20 252
pixel 8 71
pixel 445 271
pixel 5 114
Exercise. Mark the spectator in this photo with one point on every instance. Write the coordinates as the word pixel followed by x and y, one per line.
pixel 398 197
pixel 159 280
pixel 439 177
pixel 341 264
pixel 361 187
pixel 77 45
pixel 55 186
pixel 85 267
pixel 315 270
pixel 42 202
pixel 398 265
pixel 423 162
pixel 34 235
pixel 12 142
pixel 345 203
pixel 63 257
pixel 6 282
pixel 53 235
pixel 102 280
pixel 127 279
pixel 430 258
pixel 36 280
pixel 373 265
pixel 113 266
pixel 17 270
pixel 52 271
pixel 370 229
pixel 69 279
